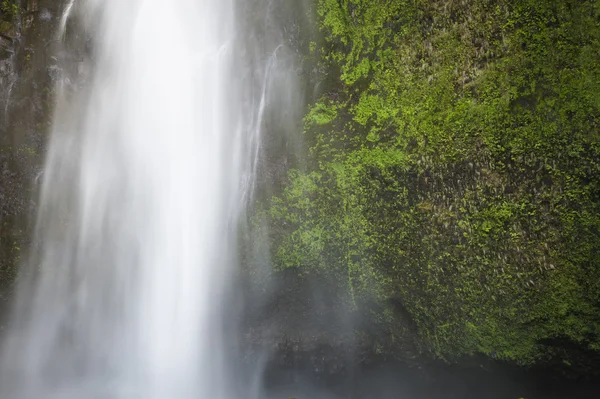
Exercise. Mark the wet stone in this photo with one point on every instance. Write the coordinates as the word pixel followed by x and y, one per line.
pixel 33 5
pixel 28 21
pixel 5 48
pixel 5 68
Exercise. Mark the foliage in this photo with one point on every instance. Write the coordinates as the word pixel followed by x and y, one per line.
pixel 9 9
pixel 455 172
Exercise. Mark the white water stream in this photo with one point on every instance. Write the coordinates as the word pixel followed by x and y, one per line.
pixel 148 168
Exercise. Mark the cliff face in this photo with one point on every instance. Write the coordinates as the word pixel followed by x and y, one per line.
pixel 27 70
pixel 451 191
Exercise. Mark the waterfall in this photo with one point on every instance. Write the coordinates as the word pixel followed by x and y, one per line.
pixel 150 163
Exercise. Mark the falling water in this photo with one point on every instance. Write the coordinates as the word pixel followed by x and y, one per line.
pixel 62 25
pixel 148 169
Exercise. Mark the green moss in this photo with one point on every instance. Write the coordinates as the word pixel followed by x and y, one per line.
pixel 9 9
pixel 456 172
pixel 6 28
pixel 322 114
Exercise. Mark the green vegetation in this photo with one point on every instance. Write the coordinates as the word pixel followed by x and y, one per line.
pixel 453 185
pixel 9 9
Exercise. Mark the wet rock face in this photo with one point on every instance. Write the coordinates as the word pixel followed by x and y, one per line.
pixel 294 325
pixel 294 322
pixel 26 99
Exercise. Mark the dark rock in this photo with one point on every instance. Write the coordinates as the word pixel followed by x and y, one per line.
pixel 25 112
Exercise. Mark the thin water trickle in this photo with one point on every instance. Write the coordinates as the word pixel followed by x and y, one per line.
pixel 62 25
pixel 146 174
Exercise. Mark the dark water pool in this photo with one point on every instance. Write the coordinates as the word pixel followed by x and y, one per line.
pixel 396 382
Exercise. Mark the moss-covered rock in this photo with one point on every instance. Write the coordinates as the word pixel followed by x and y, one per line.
pixel 453 185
